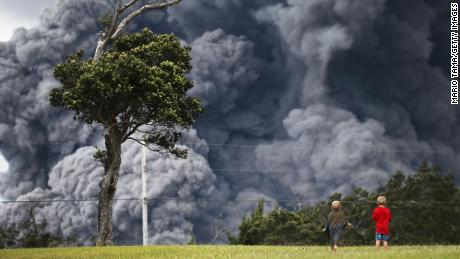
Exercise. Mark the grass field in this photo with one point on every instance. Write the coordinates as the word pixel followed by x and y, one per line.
pixel 265 252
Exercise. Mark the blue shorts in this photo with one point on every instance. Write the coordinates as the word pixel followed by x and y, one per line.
pixel 381 237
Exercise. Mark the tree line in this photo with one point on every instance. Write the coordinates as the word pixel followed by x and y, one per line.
pixel 425 208
pixel 31 233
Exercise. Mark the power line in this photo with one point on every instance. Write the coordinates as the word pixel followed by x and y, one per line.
pixel 425 203
pixel 223 170
pixel 264 145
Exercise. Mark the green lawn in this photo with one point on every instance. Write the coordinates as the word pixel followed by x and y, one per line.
pixel 212 251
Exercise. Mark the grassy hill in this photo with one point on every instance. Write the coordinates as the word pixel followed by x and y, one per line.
pixel 225 251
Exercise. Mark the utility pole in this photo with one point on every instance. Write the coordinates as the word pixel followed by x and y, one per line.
pixel 145 224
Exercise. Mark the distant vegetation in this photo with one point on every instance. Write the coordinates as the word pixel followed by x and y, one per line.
pixel 30 233
pixel 425 207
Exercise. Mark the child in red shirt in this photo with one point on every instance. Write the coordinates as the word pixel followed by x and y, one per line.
pixel 382 217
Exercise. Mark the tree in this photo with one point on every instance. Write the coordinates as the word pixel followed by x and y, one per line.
pixel 135 87
pixel 425 208
pixel 281 227
pixel 30 233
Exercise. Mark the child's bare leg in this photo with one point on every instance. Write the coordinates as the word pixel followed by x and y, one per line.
pixel 377 244
pixel 385 244
pixel 334 248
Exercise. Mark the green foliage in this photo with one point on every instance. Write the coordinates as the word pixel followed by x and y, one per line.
pixel 280 227
pixel 430 209
pixel 425 208
pixel 30 233
pixel 105 21
pixel 139 85
pixel 100 155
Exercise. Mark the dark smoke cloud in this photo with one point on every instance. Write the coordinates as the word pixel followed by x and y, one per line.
pixel 303 99
pixel 397 82
pixel 27 122
pixel 77 176
pixel 225 59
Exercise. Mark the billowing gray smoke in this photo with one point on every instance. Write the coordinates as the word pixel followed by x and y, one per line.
pixel 304 98
pixel 27 123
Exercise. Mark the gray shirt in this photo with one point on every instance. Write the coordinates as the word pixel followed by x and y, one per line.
pixel 336 217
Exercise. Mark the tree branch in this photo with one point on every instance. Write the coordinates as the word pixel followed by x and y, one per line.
pixel 151 149
pixel 125 119
pixel 115 30
pixel 126 6
pixel 139 11
pixel 129 133
pixel 115 17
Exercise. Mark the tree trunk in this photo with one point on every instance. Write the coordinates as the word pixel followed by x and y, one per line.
pixel 108 185
pixel 101 44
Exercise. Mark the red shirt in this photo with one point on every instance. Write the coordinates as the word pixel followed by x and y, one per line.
pixel 382 218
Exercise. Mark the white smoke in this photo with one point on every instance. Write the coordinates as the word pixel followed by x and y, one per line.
pixel 28 123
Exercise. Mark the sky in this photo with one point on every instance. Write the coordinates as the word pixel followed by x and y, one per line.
pixel 21 13
pixel 303 99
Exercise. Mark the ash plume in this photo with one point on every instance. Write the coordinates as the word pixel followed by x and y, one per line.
pixel 303 99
